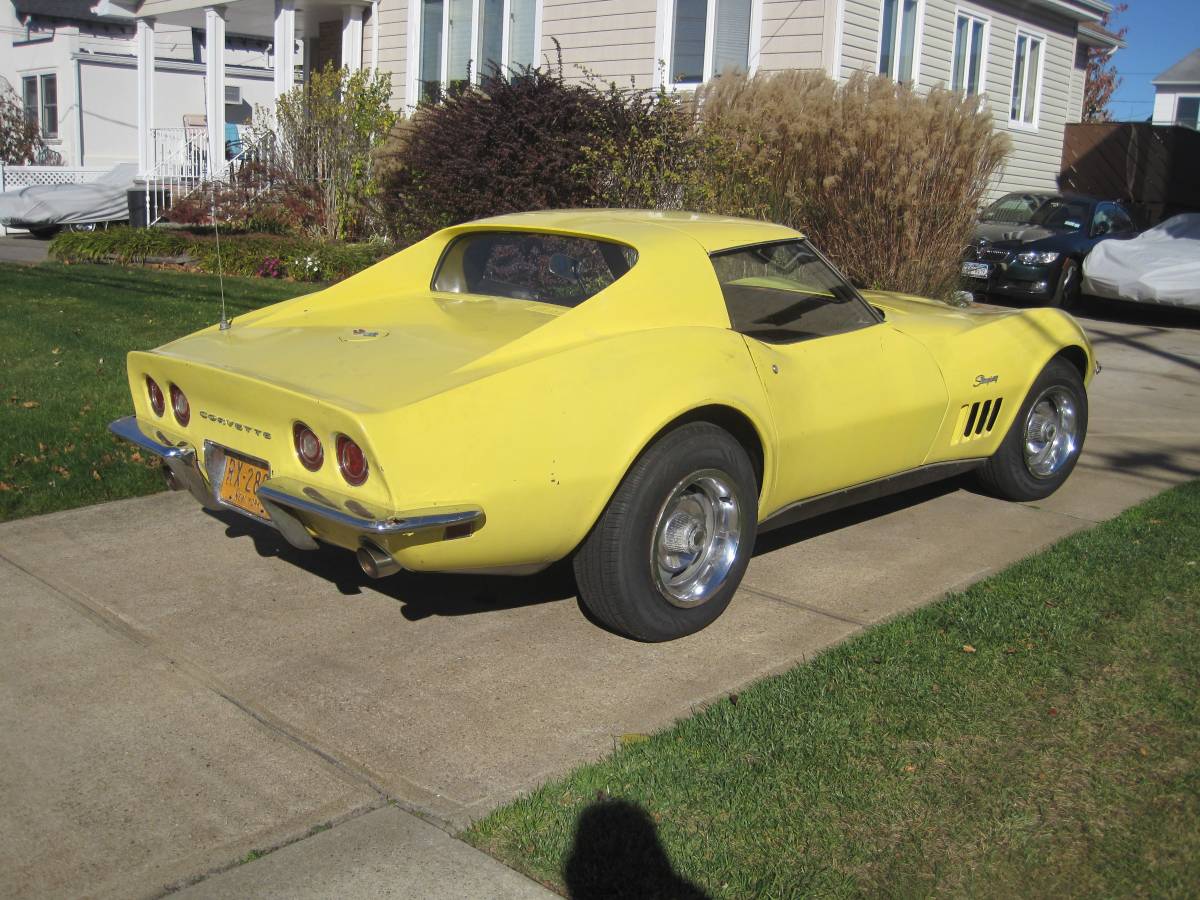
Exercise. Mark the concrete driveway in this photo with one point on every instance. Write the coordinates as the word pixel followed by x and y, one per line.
pixel 23 248
pixel 178 689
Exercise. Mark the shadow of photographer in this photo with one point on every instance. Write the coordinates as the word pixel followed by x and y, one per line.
pixel 617 854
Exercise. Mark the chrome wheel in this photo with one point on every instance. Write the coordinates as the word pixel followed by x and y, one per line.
pixel 696 538
pixel 1051 433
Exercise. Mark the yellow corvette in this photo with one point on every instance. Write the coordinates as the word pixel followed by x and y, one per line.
pixel 646 391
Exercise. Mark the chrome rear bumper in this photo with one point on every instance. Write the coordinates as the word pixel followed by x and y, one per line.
pixel 291 503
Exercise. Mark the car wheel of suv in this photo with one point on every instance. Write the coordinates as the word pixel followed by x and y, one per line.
pixel 671 547
pixel 1044 440
pixel 1066 295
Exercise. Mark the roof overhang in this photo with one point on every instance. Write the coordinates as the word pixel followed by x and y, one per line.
pixel 1079 10
pixel 1094 36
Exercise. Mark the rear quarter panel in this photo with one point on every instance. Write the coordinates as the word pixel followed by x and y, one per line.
pixel 543 445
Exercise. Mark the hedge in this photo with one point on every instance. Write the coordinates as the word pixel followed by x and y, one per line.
pixel 268 256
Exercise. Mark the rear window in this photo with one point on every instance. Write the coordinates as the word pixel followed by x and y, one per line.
pixel 519 265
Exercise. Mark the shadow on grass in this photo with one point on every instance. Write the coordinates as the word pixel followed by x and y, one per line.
pixel 617 854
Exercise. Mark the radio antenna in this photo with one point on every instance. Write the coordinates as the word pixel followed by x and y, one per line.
pixel 220 268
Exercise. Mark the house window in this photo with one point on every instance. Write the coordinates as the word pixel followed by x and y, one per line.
pixel 467 41
pixel 1027 80
pixel 1187 112
pixel 898 39
pixel 970 53
pixel 39 96
pixel 708 37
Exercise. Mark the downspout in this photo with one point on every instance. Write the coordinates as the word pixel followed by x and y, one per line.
pixel 79 110
pixel 374 36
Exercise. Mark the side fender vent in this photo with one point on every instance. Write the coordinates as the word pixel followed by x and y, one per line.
pixel 977 419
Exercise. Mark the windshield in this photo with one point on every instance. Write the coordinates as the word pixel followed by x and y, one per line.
pixel 1038 209
pixel 524 265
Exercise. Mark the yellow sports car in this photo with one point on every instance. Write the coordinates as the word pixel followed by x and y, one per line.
pixel 643 391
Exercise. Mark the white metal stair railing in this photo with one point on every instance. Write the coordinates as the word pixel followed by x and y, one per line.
pixel 181 170
pixel 186 172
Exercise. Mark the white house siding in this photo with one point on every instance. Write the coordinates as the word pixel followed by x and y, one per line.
pixel 793 35
pixel 1036 156
pixel 860 36
pixel 393 46
pixel 610 39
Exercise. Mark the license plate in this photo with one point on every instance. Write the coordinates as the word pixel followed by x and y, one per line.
pixel 239 485
pixel 975 270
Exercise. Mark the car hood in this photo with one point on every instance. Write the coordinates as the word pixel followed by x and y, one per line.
pixel 366 355
pixel 1012 235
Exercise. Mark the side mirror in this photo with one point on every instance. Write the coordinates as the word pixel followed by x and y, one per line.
pixel 565 267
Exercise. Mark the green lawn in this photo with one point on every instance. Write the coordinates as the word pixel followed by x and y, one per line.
pixel 1036 735
pixel 66 330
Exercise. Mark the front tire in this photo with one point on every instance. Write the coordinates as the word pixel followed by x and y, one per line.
pixel 1045 439
pixel 668 552
pixel 1067 294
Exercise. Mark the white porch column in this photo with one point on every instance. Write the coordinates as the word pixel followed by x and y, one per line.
pixel 285 46
pixel 214 85
pixel 352 37
pixel 144 47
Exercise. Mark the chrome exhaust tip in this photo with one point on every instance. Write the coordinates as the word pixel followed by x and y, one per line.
pixel 375 561
pixel 172 479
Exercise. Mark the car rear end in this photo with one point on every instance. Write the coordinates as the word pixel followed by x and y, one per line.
pixel 300 463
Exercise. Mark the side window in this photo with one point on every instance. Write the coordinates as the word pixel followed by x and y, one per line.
pixel 1105 220
pixel 1121 220
pixel 518 265
pixel 785 292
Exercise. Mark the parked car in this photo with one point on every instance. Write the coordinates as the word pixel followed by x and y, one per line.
pixel 642 392
pixel 1031 246
pixel 1161 265
pixel 45 209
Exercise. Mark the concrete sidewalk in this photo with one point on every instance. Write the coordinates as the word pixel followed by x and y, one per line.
pixel 178 689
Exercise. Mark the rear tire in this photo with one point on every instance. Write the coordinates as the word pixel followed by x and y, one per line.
pixel 668 552
pixel 1044 441
pixel 44 234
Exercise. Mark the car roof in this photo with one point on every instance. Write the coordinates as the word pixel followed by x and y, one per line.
pixel 713 233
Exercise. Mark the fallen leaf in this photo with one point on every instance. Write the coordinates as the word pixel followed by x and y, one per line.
pixel 632 738
pixel 56 351
pixel 733 698
pixel 967 648
pixel 95 475
pixel 5 486
pixel 910 768
pixel 42 447
pixel 1053 711
pixel 136 457
pixel 1143 751
pixel 31 404
pixel 62 470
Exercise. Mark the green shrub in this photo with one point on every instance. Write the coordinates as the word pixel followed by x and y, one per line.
pixel 884 180
pixel 302 259
pixel 532 140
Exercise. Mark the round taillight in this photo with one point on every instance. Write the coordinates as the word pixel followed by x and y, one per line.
pixel 179 405
pixel 351 460
pixel 158 403
pixel 308 447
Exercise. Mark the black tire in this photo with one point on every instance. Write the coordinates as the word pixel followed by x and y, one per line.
pixel 44 234
pixel 1067 292
pixel 1007 473
pixel 616 567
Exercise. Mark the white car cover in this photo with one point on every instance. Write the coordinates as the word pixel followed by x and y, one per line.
pixel 46 205
pixel 1161 265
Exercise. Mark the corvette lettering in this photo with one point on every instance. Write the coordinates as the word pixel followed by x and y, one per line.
pixel 220 420
pixel 981 380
